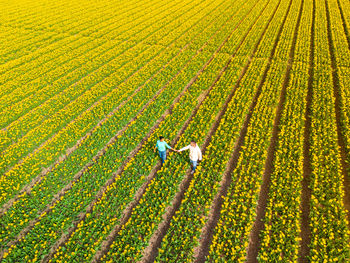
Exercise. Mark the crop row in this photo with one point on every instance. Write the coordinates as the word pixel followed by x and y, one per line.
pixel 82 155
pixel 25 41
pixel 98 218
pixel 86 84
pixel 20 50
pixel 345 10
pixel 47 19
pixel 328 223
pixel 342 58
pixel 44 73
pixel 51 103
pixel 36 116
pixel 82 192
pixel 24 18
pixel 32 38
pixel 122 191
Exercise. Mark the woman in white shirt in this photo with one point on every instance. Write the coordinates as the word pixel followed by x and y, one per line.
pixel 195 154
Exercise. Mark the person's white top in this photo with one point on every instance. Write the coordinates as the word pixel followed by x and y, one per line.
pixel 195 152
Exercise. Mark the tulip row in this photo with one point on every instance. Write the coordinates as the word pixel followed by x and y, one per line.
pixel 115 76
pixel 328 223
pixel 12 73
pixel 282 217
pixel 21 126
pixel 41 194
pixel 84 153
pixel 139 132
pixel 344 79
pixel 70 51
pixel 12 178
pixel 186 225
pixel 345 8
pixel 237 216
pixel 342 56
pixel 51 126
pixel 20 16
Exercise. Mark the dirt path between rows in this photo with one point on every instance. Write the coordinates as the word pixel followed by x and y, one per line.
pixel 305 231
pixel 345 157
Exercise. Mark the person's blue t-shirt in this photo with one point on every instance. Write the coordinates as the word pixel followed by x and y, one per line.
pixel 161 146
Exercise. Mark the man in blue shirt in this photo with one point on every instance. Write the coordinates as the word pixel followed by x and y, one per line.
pixel 161 146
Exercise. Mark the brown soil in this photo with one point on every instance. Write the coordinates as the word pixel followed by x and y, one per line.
pixel 305 233
pixel 338 113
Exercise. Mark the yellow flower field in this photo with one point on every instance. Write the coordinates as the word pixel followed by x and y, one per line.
pixel 87 88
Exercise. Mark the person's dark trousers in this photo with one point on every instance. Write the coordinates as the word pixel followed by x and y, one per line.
pixel 194 165
pixel 162 155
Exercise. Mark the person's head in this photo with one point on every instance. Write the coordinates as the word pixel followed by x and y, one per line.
pixel 161 138
pixel 193 143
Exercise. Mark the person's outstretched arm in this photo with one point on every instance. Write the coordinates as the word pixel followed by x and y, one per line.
pixel 167 145
pixel 199 154
pixel 155 147
pixel 184 148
